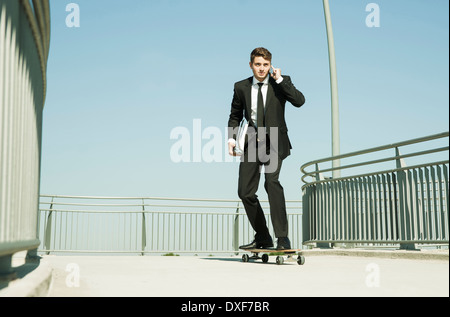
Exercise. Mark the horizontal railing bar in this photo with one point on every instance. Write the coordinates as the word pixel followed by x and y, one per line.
pixel 149 212
pixel 136 205
pixel 378 161
pixel 145 205
pixel 152 198
pixel 371 174
pixel 141 251
pixel 138 211
pixel 379 148
pixel 138 198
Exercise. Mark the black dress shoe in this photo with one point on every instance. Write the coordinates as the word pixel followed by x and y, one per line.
pixel 283 244
pixel 268 243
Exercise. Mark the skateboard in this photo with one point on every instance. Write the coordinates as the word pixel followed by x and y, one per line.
pixel 280 254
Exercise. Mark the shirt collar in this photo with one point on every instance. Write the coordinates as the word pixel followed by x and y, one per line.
pixel 265 81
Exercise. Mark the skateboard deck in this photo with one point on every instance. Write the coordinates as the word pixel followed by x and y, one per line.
pixel 280 254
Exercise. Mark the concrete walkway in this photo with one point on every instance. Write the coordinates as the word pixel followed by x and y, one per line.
pixel 324 275
pixel 330 274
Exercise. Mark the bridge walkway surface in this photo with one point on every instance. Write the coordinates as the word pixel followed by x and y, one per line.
pixel 326 273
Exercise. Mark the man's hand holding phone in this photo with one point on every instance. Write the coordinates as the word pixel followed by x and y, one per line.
pixel 276 73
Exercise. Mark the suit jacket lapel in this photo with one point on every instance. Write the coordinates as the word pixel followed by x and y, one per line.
pixel 248 98
pixel 270 94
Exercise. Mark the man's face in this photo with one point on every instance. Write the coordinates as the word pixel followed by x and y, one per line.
pixel 260 67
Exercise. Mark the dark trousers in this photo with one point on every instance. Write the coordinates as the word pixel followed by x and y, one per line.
pixel 249 177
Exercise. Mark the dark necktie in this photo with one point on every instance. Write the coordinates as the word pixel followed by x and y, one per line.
pixel 260 110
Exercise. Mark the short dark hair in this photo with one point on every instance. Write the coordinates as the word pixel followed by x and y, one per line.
pixel 261 51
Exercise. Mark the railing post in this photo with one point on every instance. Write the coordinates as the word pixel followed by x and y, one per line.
pixel 6 271
pixel 144 233
pixel 404 204
pixel 306 212
pixel 48 229
pixel 320 177
pixel 33 253
pixel 236 231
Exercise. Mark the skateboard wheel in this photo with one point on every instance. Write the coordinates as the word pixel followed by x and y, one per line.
pixel 265 258
pixel 301 260
pixel 245 258
pixel 280 260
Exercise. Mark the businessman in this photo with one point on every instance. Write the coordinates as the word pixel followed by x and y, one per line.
pixel 261 100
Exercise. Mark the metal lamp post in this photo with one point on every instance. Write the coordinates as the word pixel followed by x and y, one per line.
pixel 334 91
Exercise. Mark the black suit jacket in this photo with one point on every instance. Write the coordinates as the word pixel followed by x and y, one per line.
pixel 277 95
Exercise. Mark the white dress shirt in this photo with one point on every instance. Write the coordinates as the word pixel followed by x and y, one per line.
pixel 255 89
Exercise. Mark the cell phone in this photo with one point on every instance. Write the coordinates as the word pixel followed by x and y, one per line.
pixel 271 69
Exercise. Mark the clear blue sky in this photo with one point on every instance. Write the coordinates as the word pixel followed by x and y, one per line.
pixel 135 70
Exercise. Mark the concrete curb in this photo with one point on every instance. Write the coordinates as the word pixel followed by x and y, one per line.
pixel 34 280
pixel 442 255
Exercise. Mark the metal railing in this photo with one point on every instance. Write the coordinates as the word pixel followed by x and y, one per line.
pixel 403 205
pixel 24 46
pixel 149 225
